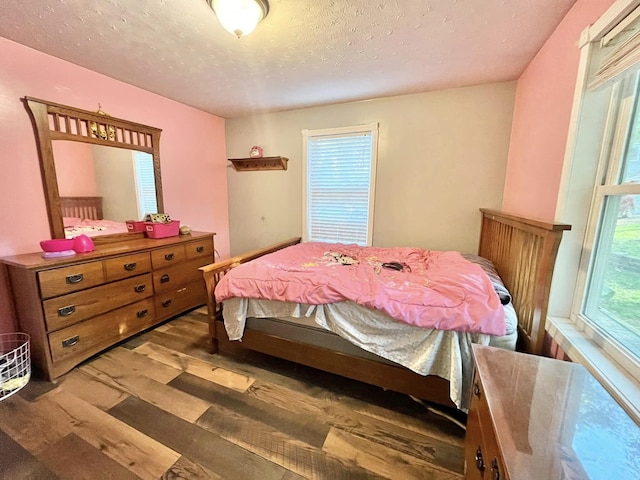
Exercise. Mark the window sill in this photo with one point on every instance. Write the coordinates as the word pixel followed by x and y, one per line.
pixel 580 349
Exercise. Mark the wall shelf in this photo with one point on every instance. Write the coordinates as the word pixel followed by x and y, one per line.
pixel 264 163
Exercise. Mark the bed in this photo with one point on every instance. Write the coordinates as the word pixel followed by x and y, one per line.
pixel 523 252
pixel 84 215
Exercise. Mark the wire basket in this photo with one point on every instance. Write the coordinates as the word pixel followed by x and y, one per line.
pixel 15 363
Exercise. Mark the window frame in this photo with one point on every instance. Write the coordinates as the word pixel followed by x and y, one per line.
pixel 577 336
pixel 606 185
pixel 372 129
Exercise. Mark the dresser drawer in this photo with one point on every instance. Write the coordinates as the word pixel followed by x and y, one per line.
pixel 475 467
pixel 482 452
pixel 200 249
pixel 86 338
pixel 63 311
pixel 188 296
pixel 172 278
pixel 64 280
pixel 168 256
pixel 127 266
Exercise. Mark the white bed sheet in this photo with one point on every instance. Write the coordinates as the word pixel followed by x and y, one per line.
pixel 446 354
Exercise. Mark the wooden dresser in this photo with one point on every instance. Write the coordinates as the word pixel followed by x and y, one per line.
pixel 74 307
pixel 538 418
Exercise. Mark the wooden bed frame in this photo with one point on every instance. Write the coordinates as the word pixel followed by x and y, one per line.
pixel 82 207
pixel 523 252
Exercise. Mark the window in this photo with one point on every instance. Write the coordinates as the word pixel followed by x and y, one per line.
pixel 612 290
pixel 339 171
pixel 145 183
pixel 607 151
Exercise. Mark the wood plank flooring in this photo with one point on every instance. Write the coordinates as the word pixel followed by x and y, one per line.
pixel 160 406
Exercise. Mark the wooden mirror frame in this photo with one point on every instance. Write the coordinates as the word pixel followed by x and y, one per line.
pixel 53 121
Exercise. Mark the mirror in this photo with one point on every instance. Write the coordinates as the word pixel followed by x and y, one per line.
pixel 102 187
pixel 98 171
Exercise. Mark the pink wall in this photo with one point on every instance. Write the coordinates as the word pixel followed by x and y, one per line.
pixel 74 169
pixel 544 99
pixel 192 150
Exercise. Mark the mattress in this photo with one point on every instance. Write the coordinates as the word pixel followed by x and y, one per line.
pixel 305 330
pixel 350 328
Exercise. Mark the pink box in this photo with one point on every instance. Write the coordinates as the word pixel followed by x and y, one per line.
pixel 135 226
pixel 163 230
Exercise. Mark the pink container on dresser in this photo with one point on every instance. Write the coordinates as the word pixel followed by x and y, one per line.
pixel 162 230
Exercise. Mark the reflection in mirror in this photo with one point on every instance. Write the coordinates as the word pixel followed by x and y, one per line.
pixel 87 175
pixel 117 182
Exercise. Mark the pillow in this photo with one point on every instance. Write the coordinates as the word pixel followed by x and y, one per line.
pixel 490 269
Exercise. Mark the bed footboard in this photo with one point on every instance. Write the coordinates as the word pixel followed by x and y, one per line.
pixel 214 272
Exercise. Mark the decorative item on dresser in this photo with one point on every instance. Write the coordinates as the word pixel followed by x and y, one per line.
pixel 75 307
pixel 536 418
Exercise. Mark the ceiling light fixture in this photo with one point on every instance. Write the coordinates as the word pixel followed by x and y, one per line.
pixel 239 17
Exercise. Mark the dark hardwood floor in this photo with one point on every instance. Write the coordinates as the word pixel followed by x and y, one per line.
pixel 160 406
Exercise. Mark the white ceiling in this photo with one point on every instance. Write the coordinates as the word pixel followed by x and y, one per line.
pixel 305 53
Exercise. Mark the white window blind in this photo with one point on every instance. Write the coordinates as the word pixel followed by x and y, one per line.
pixel 625 57
pixel 145 184
pixel 339 184
pixel 617 52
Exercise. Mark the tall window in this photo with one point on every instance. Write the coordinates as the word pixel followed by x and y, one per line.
pixel 607 296
pixel 340 169
pixel 612 291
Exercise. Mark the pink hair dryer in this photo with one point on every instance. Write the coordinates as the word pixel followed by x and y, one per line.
pixel 83 244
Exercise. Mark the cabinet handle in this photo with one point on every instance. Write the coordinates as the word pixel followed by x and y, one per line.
pixel 142 313
pixel 66 311
pixel 71 341
pixel 480 461
pixel 164 278
pixel 130 266
pixel 476 390
pixel 140 288
pixel 200 249
pixel 168 256
pixel 495 470
pixel 77 278
pixel 166 303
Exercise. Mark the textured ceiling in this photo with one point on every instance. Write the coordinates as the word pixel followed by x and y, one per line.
pixel 305 53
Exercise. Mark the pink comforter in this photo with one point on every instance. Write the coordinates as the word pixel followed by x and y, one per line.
pixel 442 290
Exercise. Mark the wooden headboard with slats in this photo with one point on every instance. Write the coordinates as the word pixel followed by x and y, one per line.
pixel 524 252
pixel 89 208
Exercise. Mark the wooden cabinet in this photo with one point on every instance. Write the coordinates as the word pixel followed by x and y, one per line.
pixel 533 417
pixel 77 306
pixel 482 455
pixel 177 281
